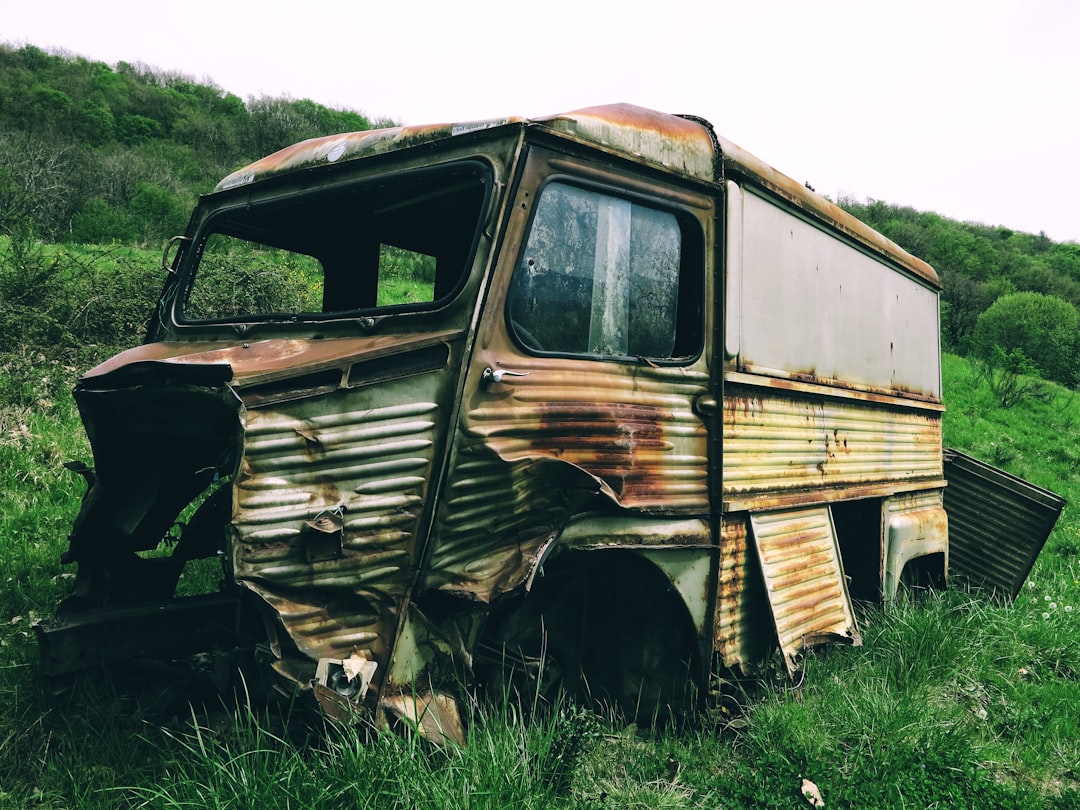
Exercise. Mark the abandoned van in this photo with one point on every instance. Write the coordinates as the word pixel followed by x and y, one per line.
pixel 597 402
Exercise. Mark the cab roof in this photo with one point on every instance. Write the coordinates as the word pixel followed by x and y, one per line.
pixel 679 143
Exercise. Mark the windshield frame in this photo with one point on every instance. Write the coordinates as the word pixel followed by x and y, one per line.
pixel 283 192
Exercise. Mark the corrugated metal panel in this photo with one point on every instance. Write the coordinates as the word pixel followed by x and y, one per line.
pixel 494 521
pixel 537 448
pixel 363 457
pixel 804 579
pixel 998 523
pixel 632 427
pixel 774 441
pixel 742 629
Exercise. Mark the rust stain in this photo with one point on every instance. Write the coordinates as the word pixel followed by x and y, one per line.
pixel 741 621
pixel 793 379
pixel 261 361
pixel 639 436
pixel 609 441
pixel 796 441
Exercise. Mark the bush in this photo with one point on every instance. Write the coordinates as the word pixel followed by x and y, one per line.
pixel 62 300
pixel 1031 333
pixel 156 213
pixel 1011 377
pixel 99 223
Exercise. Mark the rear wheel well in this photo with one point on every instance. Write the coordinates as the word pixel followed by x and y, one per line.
pixel 924 573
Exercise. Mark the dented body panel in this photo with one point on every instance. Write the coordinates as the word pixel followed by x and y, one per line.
pixel 645 409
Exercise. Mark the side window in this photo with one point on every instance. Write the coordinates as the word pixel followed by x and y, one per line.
pixel 606 276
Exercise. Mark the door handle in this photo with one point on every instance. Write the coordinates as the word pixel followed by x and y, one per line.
pixel 491 375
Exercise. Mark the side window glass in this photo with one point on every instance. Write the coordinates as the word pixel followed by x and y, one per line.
pixel 602 275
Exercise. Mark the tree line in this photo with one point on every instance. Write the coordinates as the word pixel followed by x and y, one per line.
pixel 93 153
pixel 97 154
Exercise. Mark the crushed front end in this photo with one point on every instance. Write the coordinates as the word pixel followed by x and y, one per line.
pixel 265 465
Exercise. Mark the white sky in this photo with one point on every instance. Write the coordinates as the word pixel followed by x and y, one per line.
pixel 967 108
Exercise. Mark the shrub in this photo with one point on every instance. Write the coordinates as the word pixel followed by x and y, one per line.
pixel 155 213
pixel 97 222
pixel 1031 333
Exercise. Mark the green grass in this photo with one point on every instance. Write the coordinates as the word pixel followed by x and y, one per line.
pixel 952 701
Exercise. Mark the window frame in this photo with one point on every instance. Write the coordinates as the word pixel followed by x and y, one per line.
pixel 690 318
pixel 273 196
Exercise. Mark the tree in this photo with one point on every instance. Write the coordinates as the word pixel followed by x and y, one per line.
pixel 1065 258
pixel 1039 330
pixel 962 301
pixel 156 213
pixel 35 178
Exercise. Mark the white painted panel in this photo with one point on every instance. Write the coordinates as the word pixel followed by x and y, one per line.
pixel 813 304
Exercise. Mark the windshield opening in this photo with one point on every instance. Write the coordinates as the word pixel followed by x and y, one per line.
pixel 398 243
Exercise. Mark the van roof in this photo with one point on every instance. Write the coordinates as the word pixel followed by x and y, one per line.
pixel 680 143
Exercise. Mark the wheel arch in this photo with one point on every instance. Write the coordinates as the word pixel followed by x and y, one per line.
pixel 619 621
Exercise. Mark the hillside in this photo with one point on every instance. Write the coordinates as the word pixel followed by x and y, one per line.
pixel 95 153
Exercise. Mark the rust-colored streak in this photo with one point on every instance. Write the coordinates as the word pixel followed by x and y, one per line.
pixel 537 449
pixel 742 624
pixel 797 380
pixel 783 442
pixel 262 361
pixel 610 443
pixel 667 140
pixel 629 118
pixel 632 446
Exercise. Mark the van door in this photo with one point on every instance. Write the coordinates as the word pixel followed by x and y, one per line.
pixel 998 523
pixel 589 361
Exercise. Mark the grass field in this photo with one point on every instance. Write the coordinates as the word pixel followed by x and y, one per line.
pixel 952 701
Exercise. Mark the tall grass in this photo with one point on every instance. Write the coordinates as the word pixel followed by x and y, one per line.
pixel 952 701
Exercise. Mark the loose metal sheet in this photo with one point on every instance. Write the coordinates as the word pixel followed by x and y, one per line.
pixel 804 579
pixel 998 523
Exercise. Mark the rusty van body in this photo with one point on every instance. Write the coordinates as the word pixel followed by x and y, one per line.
pixel 652 410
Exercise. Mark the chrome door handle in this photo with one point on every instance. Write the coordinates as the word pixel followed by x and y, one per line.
pixel 491 375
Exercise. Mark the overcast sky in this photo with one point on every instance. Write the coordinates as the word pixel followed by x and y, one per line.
pixel 970 109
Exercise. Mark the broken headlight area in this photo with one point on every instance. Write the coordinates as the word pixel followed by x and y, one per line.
pixel 149 539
